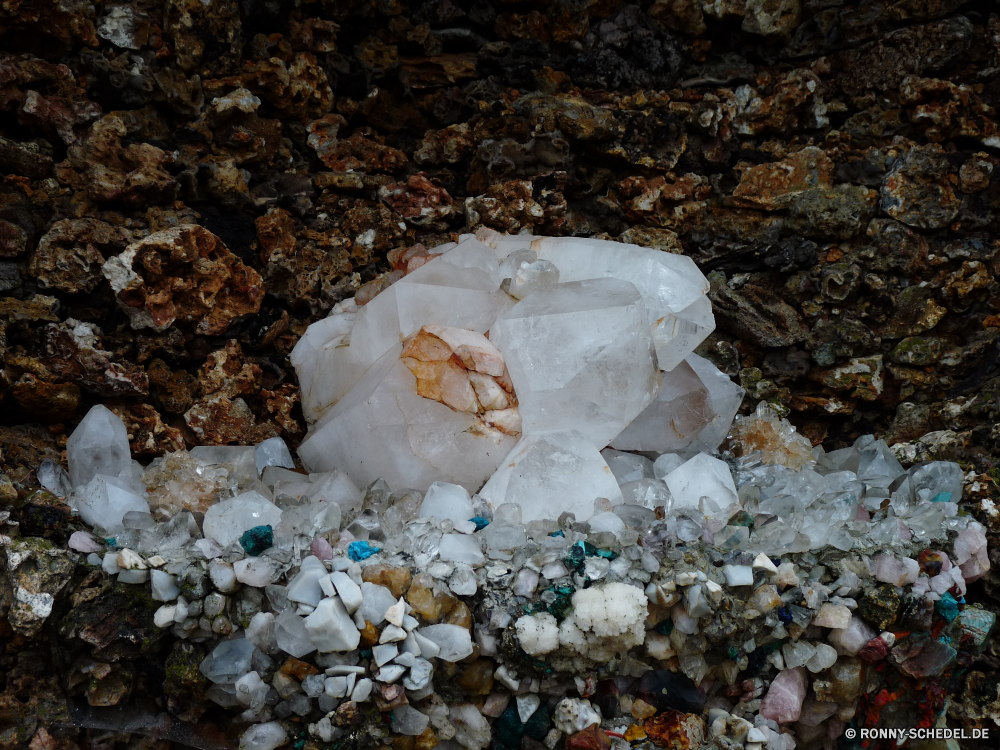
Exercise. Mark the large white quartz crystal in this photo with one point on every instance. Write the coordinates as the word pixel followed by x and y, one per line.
pixel 383 430
pixel 99 445
pixel 552 474
pixel 703 483
pixel 580 356
pixel 226 521
pixel 692 411
pixel 674 291
pixel 104 502
pixel 460 288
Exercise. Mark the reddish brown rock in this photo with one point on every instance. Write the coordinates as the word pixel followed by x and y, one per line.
pixel 220 420
pixel 43 95
pixel 147 434
pixel 74 350
pixel 107 171
pixel 70 255
pixel 591 738
pixel 206 38
pixel 185 274
pixel 420 202
pixel 46 401
pixel 775 185
pixel 675 730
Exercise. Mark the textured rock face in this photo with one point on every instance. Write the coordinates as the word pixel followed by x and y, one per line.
pixel 184 274
pixel 855 297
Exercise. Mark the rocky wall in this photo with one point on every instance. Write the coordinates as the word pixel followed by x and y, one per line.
pixel 186 186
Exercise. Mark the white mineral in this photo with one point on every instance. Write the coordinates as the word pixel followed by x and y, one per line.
pixel 580 356
pixel 105 500
pixel 551 474
pixel 99 445
pixel 226 521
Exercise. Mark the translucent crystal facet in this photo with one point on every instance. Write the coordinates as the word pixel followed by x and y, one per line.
pixel 460 288
pixel 580 356
pixel 384 430
pixel 551 474
pixel 673 290
pixel 99 445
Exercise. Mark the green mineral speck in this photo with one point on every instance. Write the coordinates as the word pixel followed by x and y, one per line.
pixel 299 744
pixel 741 519
pixel 733 653
pixel 946 607
pixel 606 553
pixel 256 540
pixel 665 628
pixel 563 603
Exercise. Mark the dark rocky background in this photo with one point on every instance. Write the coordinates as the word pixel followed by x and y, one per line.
pixel 832 167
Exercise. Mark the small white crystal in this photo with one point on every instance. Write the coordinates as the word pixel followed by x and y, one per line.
pixel 454 641
pixel 254 571
pixel 703 483
pixel 165 588
pixel 260 632
pixel 461 548
pixel 223 576
pixel 348 590
pixel 273 452
pixel 330 628
pixel 738 575
pixel 266 736
pixel 291 636
pixel 104 502
pixel 99 445
pixel 362 690
pixel 449 501
pixel 304 587
pixel 54 478
pixel 472 731
pixel 407 720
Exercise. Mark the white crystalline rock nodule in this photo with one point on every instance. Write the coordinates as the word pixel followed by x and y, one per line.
pixel 550 474
pixel 674 291
pixel 580 356
pixel 383 430
pixel 105 500
pixel 99 445
pixel 460 288
pixel 226 521
pixel 330 628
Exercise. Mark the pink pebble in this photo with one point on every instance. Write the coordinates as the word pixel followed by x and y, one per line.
pixel 81 541
pixel 321 548
pixel 783 702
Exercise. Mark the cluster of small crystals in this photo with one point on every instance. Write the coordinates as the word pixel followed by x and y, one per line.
pixel 699 608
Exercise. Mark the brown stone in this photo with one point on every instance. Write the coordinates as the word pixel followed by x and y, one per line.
pixel 477 677
pixel 429 601
pixel 185 274
pixel 591 738
pixel 395 578
pixel 676 730
pixel 44 400
pixel 460 615
pixel 369 635
pixel 298 668
pixel 775 185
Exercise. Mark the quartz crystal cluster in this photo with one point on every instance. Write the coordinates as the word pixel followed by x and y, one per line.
pixel 526 515
pixel 513 361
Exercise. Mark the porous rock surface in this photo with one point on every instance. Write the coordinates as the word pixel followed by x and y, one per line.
pixel 186 186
